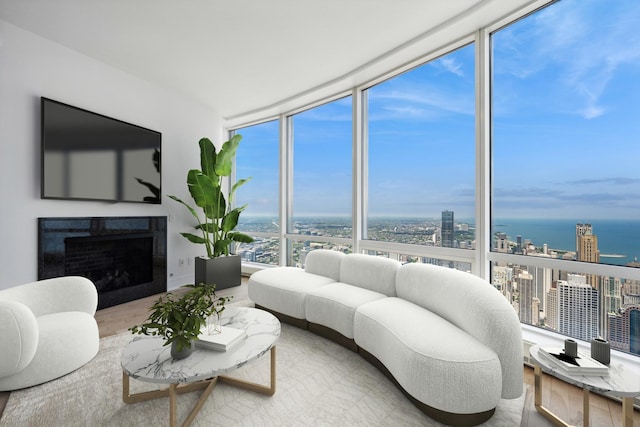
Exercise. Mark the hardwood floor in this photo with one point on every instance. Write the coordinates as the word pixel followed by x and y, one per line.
pixel 561 398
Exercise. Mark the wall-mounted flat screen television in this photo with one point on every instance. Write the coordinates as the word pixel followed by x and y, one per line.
pixel 88 156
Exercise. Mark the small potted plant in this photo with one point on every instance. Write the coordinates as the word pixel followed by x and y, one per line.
pixel 218 219
pixel 179 319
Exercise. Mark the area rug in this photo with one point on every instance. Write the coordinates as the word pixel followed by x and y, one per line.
pixel 319 383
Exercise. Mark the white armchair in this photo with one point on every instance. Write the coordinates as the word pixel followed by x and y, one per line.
pixel 47 329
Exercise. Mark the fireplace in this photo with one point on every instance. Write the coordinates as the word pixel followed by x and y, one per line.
pixel 125 257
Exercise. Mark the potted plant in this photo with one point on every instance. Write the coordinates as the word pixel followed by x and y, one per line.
pixel 179 319
pixel 218 219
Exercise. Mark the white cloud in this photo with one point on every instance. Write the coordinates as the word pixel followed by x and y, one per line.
pixel 451 65
pixel 576 48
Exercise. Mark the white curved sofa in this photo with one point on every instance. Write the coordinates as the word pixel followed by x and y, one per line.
pixel 448 339
pixel 47 330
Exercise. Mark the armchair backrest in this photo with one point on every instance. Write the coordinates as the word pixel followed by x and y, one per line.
pixel 67 293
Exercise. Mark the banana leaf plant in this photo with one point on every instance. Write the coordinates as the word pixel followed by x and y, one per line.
pixel 218 219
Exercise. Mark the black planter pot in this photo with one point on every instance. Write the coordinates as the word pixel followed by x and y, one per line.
pixel 223 272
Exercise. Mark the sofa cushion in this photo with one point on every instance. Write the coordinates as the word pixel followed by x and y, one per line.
pixel 334 305
pixel 324 262
pixel 473 305
pixel 375 273
pixel 433 360
pixel 284 289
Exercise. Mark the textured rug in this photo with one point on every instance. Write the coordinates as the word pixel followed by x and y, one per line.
pixel 319 383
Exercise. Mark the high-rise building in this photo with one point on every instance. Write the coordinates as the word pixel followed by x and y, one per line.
pixel 581 230
pixel 552 307
pixel 587 248
pixel 447 230
pixel 526 292
pixel 578 314
pixel 624 329
pixel 587 251
pixel 502 244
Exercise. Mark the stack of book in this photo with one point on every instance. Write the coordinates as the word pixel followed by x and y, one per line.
pixel 221 341
pixel 583 364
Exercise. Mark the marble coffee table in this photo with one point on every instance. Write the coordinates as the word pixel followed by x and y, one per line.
pixel 146 359
pixel 621 382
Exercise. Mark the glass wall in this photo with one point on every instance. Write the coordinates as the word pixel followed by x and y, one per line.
pixel 322 173
pixel 421 154
pixel 258 156
pixel 565 91
pixel 563 234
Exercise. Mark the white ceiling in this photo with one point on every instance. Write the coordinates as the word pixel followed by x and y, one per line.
pixel 248 57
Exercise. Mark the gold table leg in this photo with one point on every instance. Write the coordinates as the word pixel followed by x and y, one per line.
pixel 258 388
pixel 585 407
pixel 553 418
pixel 174 390
pixel 627 412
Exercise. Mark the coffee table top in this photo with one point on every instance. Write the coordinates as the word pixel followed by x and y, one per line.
pixel 621 381
pixel 146 359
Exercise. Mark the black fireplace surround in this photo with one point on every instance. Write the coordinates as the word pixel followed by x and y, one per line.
pixel 125 257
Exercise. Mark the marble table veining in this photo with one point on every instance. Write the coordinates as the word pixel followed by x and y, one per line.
pixel 145 358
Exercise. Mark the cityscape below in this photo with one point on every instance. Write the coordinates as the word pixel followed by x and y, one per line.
pixel 582 306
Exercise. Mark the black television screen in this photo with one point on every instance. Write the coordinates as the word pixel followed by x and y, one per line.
pixel 88 156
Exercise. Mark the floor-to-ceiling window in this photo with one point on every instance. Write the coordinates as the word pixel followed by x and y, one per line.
pixel 321 141
pixel 259 153
pixel 562 175
pixel 421 156
pixel 565 108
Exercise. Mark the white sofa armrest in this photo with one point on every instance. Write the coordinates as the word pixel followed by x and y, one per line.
pixel 67 293
pixel 19 336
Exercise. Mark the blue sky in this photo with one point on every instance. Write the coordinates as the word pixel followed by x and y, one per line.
pixel 566 128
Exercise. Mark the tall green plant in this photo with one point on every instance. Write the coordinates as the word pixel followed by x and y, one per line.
pixel 205 187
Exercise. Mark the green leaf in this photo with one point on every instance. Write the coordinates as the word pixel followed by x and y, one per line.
pixel 193 238
pixel 237 185
pixel 224 161
pixel 230 220
pixel 208 158
pixel 218 206
pixel 240 237
pixel 193 212
pixel 221 247
pixel 202 188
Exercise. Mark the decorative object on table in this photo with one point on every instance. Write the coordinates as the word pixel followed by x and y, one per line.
pixel 179 319
pixel 601 350
pixel 213 324
pixel 219 220
pixel 570 348
pixel 581 364
pixel 222 339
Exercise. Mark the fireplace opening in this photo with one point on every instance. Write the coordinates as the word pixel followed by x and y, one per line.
pixel 110 262
pixel 125 257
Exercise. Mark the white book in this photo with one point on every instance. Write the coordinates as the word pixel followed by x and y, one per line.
pixel 222 341
pixel 583 364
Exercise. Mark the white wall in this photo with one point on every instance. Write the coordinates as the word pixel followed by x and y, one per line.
pixel 31 67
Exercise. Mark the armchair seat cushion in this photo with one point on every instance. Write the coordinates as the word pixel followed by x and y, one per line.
pixel 48 328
